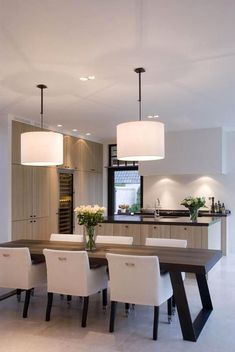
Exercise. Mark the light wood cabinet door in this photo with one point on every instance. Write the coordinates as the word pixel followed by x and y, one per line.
pixel 97 152
pixel 88 188
pixel 89 156
pixel 132 230
pixel 41 192
pixel 22 192
pixel 155 231
pixel 193 235
pixel 32 229
pixel 22 229
pixel 54 199
pixel 41 229
pixel 104 229
pixel 69 155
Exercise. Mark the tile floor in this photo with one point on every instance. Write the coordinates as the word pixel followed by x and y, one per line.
pixel 132 334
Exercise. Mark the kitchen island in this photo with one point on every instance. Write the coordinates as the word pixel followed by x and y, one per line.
pixel 205 233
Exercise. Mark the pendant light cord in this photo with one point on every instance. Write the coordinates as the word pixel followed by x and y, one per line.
pixel 140 112
pixel 41 87
pixel 139 71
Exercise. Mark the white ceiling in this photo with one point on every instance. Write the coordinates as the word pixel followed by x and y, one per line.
pixel 187 48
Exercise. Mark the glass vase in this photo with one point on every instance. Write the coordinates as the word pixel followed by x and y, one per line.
pixel 89 238
pixel 193 213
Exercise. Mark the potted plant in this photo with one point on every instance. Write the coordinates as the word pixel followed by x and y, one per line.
pixel 123 208
pixel 89 216
pixel 193 204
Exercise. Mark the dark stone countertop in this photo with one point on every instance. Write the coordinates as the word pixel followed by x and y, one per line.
pixel 161 220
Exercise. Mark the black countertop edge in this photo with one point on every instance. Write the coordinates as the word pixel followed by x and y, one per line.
pixel 182 212
pixel 139 219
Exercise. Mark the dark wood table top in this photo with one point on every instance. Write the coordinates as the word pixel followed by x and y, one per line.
pixel 171 259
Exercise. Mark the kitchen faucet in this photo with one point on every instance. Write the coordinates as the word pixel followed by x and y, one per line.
pixel 157 208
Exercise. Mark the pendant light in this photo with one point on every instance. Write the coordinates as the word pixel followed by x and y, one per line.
pixel 140 140
pixel 41 148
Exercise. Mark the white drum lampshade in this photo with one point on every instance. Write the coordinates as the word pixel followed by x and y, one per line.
pixel 41 148
pixel 140 141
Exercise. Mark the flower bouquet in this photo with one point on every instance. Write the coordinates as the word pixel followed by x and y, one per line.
pixel 89 216
pixel 193 204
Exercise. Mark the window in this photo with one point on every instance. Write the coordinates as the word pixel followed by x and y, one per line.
pixel 124 185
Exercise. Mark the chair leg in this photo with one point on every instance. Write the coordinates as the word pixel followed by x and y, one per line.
pixel 127 309
pixel 49 305
pixel 105 298
pixel 84 312
pixel 69 298
pixel 18 294
pixel 26 303
pixel 173 305
pixel 155 322
pixel 112 316
pixel 169 309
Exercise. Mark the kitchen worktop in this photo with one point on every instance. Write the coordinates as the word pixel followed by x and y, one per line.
pixel 161 220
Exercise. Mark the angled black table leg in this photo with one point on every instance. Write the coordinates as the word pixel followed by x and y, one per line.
pixel 191 329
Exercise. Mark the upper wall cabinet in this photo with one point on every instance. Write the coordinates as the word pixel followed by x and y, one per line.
pixel 88 156
pixel 69 156
pixel 190 152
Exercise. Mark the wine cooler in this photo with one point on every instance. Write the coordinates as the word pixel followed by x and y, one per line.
pixel 66 203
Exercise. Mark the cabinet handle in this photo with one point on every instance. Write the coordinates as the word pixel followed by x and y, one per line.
pixel 100 225
pixel 34 221
pixel 185 228
pixel 31 220
pixel 126 226
pixel 92 169
pixel 31 216
pixel 154 227
pixel 34 216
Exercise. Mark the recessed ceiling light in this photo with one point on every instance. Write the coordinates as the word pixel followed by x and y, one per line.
pixel 152 116
pixel 87 78
pixel 75 130
pixel 88 134
pixel 59 125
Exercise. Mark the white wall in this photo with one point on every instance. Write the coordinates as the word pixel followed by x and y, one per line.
pixel 5 179
pixel 171 189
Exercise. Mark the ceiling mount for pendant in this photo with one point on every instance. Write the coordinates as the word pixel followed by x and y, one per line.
pixel 140 140
pixel 41 148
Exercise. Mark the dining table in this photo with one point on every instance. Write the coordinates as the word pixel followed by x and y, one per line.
pixel 173 260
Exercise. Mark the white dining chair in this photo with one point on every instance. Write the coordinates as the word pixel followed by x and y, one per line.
pixel 114 240
pixel 66 238
pixel 165 242
pixel 168 242
pixel 69 273
pixel 137 279
pixel 18 272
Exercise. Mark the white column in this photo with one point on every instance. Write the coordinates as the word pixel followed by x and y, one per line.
pixel 5 178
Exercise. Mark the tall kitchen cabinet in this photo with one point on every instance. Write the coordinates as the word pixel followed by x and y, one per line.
pixel 34 193
pixel 30 202
pixel 88 175
pixel 35 190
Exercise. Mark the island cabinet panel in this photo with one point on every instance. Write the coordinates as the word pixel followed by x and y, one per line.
pixel 104 229
pixel 155 231
pixel 193 235
pixel 211 237
pixel 132 230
